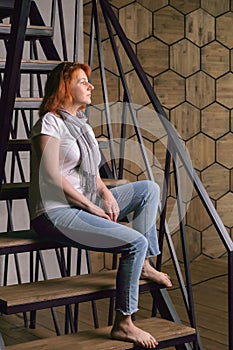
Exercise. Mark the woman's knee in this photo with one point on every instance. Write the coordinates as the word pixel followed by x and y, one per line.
pixel 153 187
pixel 140 245
pixel 154 190
pixel 151 190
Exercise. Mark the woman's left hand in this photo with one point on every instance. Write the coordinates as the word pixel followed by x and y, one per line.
pixel 111 208
pixel 109 203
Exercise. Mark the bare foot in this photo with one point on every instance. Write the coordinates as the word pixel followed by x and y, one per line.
pixel 150 273
pixel 125 330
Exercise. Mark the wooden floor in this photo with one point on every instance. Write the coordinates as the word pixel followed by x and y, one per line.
pixel 209 279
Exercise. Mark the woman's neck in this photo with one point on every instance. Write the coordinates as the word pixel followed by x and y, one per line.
pixel 72 109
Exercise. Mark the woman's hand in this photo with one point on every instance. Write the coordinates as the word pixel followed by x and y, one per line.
pixel 109 203
pixel 111 208
pixel 94 209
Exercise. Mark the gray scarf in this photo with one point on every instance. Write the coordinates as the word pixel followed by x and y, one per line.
pixel 89 149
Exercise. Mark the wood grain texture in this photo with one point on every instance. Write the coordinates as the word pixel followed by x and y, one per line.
pixel 99 339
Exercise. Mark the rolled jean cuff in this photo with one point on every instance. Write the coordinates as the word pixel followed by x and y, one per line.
pixel 127 313
pixel 150 255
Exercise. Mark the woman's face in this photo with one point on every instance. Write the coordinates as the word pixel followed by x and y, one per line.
pixel 80 89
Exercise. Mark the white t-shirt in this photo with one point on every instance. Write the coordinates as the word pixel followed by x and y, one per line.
pixel 42 196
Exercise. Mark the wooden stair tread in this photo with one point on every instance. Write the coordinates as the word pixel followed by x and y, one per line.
pixel 23 241
pixel 7 25
pixel 9 4
pixel 61 291
pixel 27 102
pixel 162 330
pixel 19 190
pixel 36 99
pixel 19 145
pixel 115 182
pixel 6 8
pixel 103 142
pixel 25 144
pixel 33 66
pixel 31 30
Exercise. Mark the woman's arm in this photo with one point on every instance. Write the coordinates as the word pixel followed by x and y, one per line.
pixel 47 150
pixel 109 202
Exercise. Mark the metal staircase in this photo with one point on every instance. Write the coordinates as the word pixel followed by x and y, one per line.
pixel 27 25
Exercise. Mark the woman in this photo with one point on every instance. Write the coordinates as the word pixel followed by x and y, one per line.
pixel 70 203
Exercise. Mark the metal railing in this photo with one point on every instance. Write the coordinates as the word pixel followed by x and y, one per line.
pixel 176 150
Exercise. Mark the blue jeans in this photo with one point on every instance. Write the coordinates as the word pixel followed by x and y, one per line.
pixel 78 228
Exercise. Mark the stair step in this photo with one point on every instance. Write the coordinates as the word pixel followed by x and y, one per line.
pixel 166 332
pixel 103 142
pixel 25 144
pixel 61 291
pixel 19 145
pixel 19 190
pixel 32 31
pixel 115 182
pixel 6 8
pixel 27 103
pixel 6 4
pixel 23 241
pixel 33 66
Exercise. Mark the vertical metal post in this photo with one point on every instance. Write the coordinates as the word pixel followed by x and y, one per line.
pixel 63 34
pixel 78 32
pixel 11 75
pixel 184 243
pixel 104 87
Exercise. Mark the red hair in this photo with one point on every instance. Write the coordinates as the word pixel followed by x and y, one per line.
pixel 57 87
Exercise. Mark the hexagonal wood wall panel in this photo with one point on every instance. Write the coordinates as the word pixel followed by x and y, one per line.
pixel 186 50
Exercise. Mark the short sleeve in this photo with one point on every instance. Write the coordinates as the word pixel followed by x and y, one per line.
pixel 49 124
